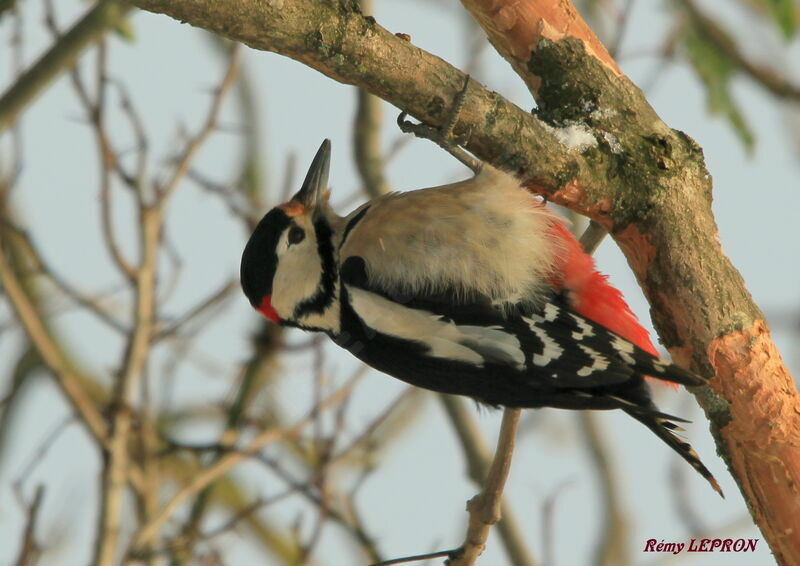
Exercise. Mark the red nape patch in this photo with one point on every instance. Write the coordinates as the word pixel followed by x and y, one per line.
pixel 266 309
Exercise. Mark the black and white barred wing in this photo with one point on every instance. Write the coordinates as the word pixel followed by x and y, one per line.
pixel 582 352
pixel 551 347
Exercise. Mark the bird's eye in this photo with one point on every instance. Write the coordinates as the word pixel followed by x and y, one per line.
pixel 296 235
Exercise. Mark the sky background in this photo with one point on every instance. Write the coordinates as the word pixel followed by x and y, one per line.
pixel 414 503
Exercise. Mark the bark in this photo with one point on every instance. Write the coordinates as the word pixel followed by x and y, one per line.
pixel 644 182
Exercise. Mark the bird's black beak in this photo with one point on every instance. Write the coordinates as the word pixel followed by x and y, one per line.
pixel 313 190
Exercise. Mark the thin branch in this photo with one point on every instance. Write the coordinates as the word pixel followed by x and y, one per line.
pixel 108 161
pixel 548 523
pixel 610 548
pixel 348 519
pixel 59 57
pixel 116 462
pixel 416 557
pixel 88 302
pixel 191 148
pixel 38 456
pixel 623 17
pixel 29 550
pixel 366 144
pixel 776 83
pixel 484 508
pixel 222 466
pixel 478 460
pixel 212 300
pixel 367 133
pixel 51 354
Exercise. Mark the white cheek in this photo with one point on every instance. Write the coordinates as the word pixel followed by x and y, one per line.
pixel 296 279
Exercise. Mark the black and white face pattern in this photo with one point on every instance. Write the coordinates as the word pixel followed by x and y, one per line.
pixel 288 267
pixel 288 270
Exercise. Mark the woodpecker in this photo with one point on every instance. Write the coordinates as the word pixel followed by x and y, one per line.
pixel 473 288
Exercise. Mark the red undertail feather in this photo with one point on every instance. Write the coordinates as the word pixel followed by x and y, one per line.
pixel 590 293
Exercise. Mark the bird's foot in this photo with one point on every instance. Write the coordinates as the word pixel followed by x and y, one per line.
pixel 444 137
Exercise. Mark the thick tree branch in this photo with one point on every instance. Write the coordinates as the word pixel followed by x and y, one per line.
pixel 700 306
pixel 338 41
pixel 516 28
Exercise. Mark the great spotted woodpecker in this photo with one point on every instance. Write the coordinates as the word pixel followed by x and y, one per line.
pixel 473 288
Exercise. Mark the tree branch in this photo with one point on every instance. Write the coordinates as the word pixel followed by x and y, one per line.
pixel 29 550
pixel 47 348
pixel 484 508
pixel 611 544
pixel 62 54
pixel 478 462
pixel 776 83
pixel 225 463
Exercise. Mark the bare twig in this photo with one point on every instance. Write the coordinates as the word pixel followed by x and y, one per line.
pixel 37 457
pixel 227 462
pixel 478 459
pixel 610 549
pixel 51 354
pixel 214 299
pixel 776 83
pixel 29 550
pixel 623 17
pixel 190 150
pixel 548 530
pixel 416 557
pixel 59 57
pixel 348 519
pixel 62 284
pixel 484 508
pixel 116 462
pixel 108 157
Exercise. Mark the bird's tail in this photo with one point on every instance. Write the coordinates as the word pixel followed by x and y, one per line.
pixel 666 430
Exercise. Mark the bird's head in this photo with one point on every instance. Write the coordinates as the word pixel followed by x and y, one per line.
pixel 288 270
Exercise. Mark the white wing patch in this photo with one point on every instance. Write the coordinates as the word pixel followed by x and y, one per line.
pixel 549 314
pixel 552 351
pixel 660 365
pixel 624 349
pixel 445 339
pixel 599 362
pixel 586 329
